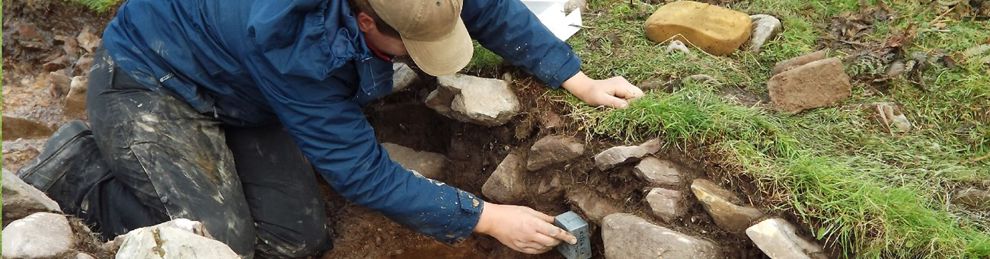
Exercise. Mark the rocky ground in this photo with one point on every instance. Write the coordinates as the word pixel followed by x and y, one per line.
pixel 500 135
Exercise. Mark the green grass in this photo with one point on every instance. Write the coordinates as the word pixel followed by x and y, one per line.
pixel 98 5
pixel 858 187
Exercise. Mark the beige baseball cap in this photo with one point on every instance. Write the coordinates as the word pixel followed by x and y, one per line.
pixel 432 31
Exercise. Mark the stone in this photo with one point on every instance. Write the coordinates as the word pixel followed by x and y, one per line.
pixel 551 120
pixel 765 27
pixel 172 241
pixel 506 183
pixel 615 156
pixel 594 206
pixel 676 45
pixel 553 149
pixel 59 83
pixel 75 100
pixel 716 30
pixel 20 199
pixel 629 237
pixel 777 238
pixel 83 64
pixel 483 101
pixel 971 197
pixel 16 127
pixel 816 84
pixel 659 172
pixel 41 235
pixel 725 208
pixel 667 204
pixel 892 118
pixel 428 164
pixel 84 256
pixel 87 40
pixel 402 77
pixel 797 61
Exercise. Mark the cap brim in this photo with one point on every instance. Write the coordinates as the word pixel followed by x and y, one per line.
pixel 445 56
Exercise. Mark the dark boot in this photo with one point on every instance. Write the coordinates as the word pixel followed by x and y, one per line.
pixel 69 164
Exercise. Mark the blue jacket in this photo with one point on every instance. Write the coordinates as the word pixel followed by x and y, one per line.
pixel 304 63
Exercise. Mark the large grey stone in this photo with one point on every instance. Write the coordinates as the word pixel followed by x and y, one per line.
pixel 778 239
pixel 615 156
pixel 171 240
pixel 483 101
pixel 667 204
pixel 21 199
pixel 428 164
pixel 594 206
pixel 506 183
pixel 725 208
pixel 553 149
pixel 659 172
pixel 41 235
pixel 764 28
pixel 629 237
pixel 402 76
pixel 816 84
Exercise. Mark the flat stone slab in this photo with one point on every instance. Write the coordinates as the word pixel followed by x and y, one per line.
pixel 506 183
pixel 483 101
pixel 428 164
pixel 667 204
pixel 16 127
pixel 659 172
pixel 725 208
pixel 594 206
pixel 777 238
pixel 716 30
pixel 616 156
pixel 553 149
pixel 816 84
pixel 40 235
pixel 629 237
pixel 797 61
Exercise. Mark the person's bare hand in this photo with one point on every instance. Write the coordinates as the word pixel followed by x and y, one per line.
pixel 522 228
pixel 614 92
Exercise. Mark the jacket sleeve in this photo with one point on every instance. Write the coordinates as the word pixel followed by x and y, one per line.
pixel 509 29
pixel 332 131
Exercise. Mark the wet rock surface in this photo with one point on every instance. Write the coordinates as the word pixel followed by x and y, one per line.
pixel 816 84
pixel 629 237
pixel 40 235
pixel 778 239
pixel 615 156
pixel 553 149
pixel 483 101
pixel 21 199
pixel 428 164
pixel 725 208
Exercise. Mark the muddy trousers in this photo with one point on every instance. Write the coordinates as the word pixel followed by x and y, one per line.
pixel 251 187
